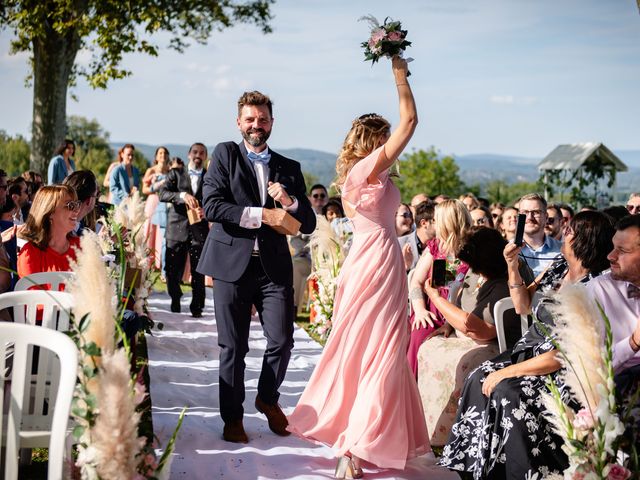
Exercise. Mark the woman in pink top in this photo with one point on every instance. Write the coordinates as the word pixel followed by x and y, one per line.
pixel 361 398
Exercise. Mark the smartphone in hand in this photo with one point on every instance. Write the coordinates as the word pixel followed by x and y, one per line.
pixel 438 273
pixel 520 229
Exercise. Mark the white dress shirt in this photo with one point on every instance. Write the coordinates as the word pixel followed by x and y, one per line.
pixel 623 313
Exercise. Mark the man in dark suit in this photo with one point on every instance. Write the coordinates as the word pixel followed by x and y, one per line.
pixel 250 261
pixel 183 190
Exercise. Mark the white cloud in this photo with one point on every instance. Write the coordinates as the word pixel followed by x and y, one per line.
pixel 525 100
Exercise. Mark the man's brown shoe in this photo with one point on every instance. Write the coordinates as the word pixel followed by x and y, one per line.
pixel 277 421
pixel 234 432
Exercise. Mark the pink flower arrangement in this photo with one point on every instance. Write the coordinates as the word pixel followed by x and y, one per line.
pixel 583 420
pixel 386 40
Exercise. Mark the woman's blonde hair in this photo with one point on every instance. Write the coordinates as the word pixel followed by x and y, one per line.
pixel 37 228
pixel 364 137
pixel 452 222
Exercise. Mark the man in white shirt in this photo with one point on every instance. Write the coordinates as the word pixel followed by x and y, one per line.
pixel 618 292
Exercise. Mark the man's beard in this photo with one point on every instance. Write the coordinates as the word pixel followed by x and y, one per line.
pixel 256 140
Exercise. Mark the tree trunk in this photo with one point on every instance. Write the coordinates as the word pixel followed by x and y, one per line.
pixel 53 59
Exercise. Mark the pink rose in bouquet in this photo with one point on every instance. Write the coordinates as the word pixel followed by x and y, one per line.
pixel 617 472
pixel 583 420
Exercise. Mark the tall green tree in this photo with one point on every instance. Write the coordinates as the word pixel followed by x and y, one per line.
pixel 424 171
pixel 14 154
pixel 55 30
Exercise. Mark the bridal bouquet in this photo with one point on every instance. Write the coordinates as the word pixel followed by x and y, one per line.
pixel 595 438
pixel 386 40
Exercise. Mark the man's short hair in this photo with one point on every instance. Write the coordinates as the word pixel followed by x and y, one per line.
pixel 254 98
pixel 424 211
pixel 628 222
pixel 15 186
pixel 534 196
pixel 556 207
pixel 568 208
pixel 318 186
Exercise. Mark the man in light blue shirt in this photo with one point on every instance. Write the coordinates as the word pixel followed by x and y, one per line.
pixel 539 249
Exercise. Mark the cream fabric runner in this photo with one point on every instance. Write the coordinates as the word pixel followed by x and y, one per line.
pixel 183 365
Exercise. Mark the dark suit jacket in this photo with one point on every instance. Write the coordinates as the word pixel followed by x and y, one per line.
pixel 178 227
pixel 230 185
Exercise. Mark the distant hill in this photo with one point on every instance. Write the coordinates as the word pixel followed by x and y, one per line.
pixel 474 169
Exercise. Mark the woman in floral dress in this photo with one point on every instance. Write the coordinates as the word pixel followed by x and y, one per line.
pixel 500 429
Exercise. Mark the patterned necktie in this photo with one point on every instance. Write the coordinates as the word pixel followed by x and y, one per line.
pixel 197 173
pixel 262 158
pixel 633 291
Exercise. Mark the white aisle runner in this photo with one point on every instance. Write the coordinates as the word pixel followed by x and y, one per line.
pixel 183 366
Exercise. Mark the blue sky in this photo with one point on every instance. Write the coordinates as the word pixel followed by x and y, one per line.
pixel 502 76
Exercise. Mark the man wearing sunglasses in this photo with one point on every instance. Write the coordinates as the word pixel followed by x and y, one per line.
pixel 318 198
pixel 633 204
pixel 555 222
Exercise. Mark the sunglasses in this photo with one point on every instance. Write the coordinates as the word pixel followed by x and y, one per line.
pixel 73 205
pixel 551 220
pixel 633 208
pixel 405 215
pixel 495 215
pixel 319 195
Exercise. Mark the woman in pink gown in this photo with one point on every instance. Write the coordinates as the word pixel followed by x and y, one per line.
pixel 362 399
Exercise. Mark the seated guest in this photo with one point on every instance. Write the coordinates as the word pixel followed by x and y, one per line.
pixel 19 193
pixel 85 184
pixel 539 249
pixel 404 220
pixel 49 231
pixel 481 216
pixel 125 177
pixel 567 213
pixel 445 361
pixel 508 223
pixel 500 429
pixel 554 224
pixel 34 181
pixel 470 201
pixel 452 220
pixel 416 200
pixel 413 245
pixel 9 231
pixel 618 292
pixel 633 204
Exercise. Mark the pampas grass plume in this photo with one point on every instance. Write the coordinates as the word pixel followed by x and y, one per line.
pixel 93 293
pixel 579 331
pixel 115 433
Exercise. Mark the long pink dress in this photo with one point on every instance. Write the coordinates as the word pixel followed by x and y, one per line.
pixel 362 397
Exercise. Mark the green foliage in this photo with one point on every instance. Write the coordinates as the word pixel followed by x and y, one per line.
pixel 108 29
pixel 14 154
pixel 508 193
pixel 425 171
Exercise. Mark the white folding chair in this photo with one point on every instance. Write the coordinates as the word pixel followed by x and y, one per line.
pixel 499 310
pixel 26 426
pixel 55 279
pixel 55 307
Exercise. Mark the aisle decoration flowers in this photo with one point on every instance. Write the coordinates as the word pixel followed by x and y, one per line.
pixel 595 440
pixel 112 275
pixel 386 40
pixel 328 251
